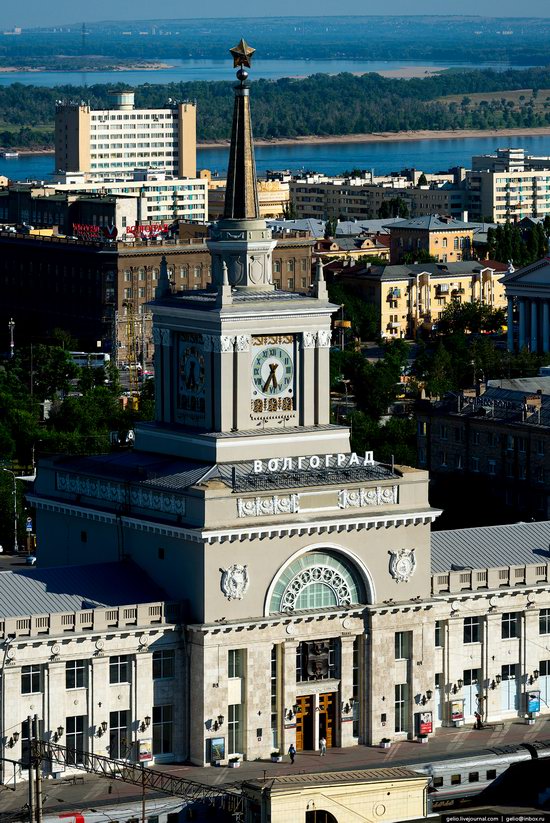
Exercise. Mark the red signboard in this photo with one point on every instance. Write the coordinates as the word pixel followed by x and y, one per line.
pixel 87 231
pixel 425 725
pixel 147 230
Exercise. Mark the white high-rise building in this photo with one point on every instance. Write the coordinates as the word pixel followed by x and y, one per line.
pixel 121 139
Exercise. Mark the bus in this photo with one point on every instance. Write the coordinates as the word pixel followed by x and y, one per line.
pixel 94 360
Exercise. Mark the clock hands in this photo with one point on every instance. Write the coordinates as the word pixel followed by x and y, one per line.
pixel 272 377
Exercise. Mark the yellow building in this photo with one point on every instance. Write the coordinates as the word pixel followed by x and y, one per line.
pixel 408 297
pixel 444 238
pixel 273 198
pixel 352 248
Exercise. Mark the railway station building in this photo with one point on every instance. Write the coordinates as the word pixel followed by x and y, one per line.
pixel 313 599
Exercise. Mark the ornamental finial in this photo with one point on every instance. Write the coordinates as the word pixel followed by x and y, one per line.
pixel 241 54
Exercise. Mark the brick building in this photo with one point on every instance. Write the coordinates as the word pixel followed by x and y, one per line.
pixel 95 290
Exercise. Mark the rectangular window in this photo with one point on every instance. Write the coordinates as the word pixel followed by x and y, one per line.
pixel 317 660
pixel 163 725
pixel 274 699
pixel 490 774
pixel 163 664
pixel 26 741
pixel 75 674
pixel 403 645
pixel 455 780
pixel 472 633
pixel 235 663
pixel 400 707
pixel 234 729
pixel 438 642
pixel 443 431
pixel 510 625
pixel 492 467
pixel 30 679
pixel 119 743
pixel 475 464
pixel 119 670
pixel 74 738
pixel 544 621
pixel 473 777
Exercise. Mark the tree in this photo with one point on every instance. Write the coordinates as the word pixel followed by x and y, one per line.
pixel 422 180
pixel 363 316
pixel 473 317
pixel 330 228
pixel 418 256
pixel 47 370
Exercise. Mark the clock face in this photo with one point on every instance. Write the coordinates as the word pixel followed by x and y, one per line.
pixel 191 371
pixel 191 380
pixel 273 372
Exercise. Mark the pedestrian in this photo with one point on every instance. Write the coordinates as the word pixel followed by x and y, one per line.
pixel 478 724
pixel 292 753
pixel 323 747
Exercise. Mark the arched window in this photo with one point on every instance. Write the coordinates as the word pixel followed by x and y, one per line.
pixel 316 580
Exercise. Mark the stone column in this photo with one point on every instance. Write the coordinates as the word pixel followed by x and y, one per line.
pixel 545 326
pixel 534 336
pixel 522 324
pixel 241 382
pixel 289 690
pixel 322 399
pixel 510 336
pixel 346 691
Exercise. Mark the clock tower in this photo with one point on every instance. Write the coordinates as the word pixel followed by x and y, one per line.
pixel 242 360
pixel 287 553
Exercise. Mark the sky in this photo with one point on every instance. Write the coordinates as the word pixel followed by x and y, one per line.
pixel 29 13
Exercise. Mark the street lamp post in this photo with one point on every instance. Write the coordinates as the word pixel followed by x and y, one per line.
pixel 11 326
pixel 15 545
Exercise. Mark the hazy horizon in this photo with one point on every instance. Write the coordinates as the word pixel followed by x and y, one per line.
pixel 62 13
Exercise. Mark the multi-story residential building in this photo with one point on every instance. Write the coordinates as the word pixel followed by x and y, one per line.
pixel 161 198
pixel 361 198
pixel 118 140
pixel 408 297
pixel 508 185
pixel 528 296
pixel 446 239
pixel 140 199
pixel 498 435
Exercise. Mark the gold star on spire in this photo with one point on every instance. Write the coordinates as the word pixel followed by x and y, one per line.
pixel 242 54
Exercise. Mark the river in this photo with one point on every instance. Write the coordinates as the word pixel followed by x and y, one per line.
pixel 182 71
pixel 330 158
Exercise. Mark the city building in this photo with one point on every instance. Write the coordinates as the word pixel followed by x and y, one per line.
pixel 363 198
pixel 444 238
pixel 408 297
pixel 316 601
pixel 348 249
pixel 143 199
pixel 497 436
pixel 508 185
pixel 528 296
pixel 115 141
pixel 98 288
pixel 273 198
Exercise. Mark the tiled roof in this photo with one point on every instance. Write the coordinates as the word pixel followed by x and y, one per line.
pixel 515 544
pixel 432 222
pixel 73 588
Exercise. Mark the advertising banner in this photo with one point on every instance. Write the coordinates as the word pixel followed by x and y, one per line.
pixel 457 710
pixel 533 701
pixel 145 750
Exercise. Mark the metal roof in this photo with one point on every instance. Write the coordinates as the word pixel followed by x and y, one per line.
pixel 433 222
pixel 72 588
pixel 514 544
pixel 323 778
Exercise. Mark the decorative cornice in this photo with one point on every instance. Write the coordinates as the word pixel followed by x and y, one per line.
pixel 256 532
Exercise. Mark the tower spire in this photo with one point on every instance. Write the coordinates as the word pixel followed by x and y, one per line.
pixel 241 196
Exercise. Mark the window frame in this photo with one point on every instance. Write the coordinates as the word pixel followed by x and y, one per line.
pixel 119 671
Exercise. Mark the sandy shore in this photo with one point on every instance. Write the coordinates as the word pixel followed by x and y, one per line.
pixel 33 70
pixel 377 137
pixel 391 137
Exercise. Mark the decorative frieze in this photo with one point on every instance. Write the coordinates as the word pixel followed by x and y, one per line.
pixel 242 342
pixel 262 506
pixel 324 338
pixel 357 498
pixel 139 496
pixel 309 339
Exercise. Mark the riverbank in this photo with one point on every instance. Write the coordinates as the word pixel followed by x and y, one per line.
pixel 375 137
pixel 88 69
pixel 392 137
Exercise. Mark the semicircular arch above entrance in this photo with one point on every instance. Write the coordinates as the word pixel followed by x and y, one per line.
pixel 323 575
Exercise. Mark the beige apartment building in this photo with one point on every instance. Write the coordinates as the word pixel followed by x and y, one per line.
pixel 361 198
pixel 408 297
pixel 444 238
pixel 508 185
pixel 123 138
pixel 273 198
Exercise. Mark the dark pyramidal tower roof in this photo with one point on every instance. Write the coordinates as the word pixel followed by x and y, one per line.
pixel 241 197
